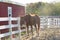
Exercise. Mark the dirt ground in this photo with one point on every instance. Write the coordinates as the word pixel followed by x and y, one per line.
pixel 48 34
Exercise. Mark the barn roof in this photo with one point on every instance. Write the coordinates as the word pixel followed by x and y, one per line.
pixel 12 2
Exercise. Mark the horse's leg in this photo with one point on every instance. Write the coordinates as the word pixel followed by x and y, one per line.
pixel 35 28
pixel 38 29
pixel 32 30
pixel 27 30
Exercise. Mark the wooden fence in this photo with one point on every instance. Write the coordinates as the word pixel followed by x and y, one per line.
pixel 10 26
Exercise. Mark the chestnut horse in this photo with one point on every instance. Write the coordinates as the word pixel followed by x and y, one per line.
pixel 31 21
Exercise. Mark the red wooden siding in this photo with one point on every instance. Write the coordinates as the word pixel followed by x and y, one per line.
pixel 17 10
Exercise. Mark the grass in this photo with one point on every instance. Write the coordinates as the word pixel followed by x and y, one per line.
pixel 22 33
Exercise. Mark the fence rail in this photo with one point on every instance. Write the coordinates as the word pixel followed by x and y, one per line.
pixel 49 21
pixel 9 26
pixel 45 22
pixel 2 19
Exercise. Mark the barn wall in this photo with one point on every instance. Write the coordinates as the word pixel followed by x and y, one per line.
pixel 17 10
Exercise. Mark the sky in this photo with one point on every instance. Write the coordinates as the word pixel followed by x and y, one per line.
pixel 33 1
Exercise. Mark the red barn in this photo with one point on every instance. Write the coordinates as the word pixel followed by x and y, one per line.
pixel 17 10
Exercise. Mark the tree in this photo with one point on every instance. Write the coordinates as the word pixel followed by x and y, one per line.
pixel 45 9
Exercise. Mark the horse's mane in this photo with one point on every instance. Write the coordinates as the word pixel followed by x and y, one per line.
pixel 31 14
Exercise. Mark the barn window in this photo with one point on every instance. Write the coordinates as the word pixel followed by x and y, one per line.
pixel 9 11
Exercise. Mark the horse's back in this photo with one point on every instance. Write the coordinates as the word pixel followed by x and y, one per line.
pixel 30 20
pixel 37 18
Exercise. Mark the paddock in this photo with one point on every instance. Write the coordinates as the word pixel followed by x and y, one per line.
pixel 10 28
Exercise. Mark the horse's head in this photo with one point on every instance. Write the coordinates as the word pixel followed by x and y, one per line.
pixel 22 21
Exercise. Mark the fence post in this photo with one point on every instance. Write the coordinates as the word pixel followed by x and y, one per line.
pixel 10 27
pixel 9 17
pixel 0 38
pixel 19 28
